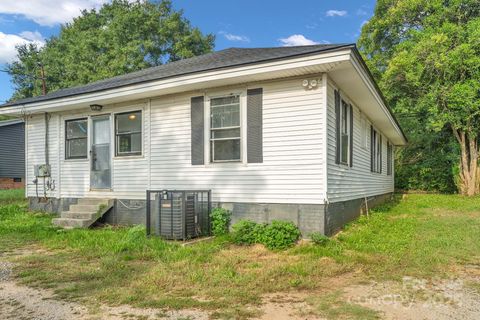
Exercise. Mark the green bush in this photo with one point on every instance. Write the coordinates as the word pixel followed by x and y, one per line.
pixel 279 235
pixel 247 232
pixel 220 219
pixel 319 238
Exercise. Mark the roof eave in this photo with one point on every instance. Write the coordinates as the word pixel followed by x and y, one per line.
pixel 359 59
pixel 320 50
pixel 189 82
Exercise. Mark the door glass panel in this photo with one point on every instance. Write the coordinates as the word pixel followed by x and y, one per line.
pixel 101 130
pixel 100 177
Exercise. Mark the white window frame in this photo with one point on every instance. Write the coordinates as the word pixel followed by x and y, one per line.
pixel 118 155
pixel 65 143
pixel 364 131
pixel 389 158
pixel 243 124
pixel 377 164
pixel 349 130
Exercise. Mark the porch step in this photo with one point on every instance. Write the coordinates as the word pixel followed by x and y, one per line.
pixel 85 207
pixel 83 214
pixel 80 215
pixel 71 223
pixel 94 201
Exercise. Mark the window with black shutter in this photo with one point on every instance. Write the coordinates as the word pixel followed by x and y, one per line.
pixel 228 139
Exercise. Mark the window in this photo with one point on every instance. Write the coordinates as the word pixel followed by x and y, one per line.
pixel 376 149
pixel 364 133
pixel 128 133
pixel 76 145
pixel 345 132
pixel 389 158
pixel 225 129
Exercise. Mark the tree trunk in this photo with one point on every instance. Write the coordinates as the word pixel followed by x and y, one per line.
pixel 469 177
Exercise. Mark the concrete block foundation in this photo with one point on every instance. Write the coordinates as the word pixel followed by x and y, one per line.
pixel 326 219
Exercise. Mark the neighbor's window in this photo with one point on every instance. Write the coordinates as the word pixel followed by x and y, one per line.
pixel 345 132
pixel 225 129
pixel 128 133
pixel 76 144
pixel 376 146
pixel 389 158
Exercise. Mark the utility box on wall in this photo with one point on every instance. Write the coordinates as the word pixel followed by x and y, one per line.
pixel 42 170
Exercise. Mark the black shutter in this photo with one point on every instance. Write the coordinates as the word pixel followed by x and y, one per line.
pixel 254 125
pixel 337 126
pixel 372 150
pixel 351 136
pixel 197 130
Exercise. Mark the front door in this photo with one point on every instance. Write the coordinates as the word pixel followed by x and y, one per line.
pixel 100 175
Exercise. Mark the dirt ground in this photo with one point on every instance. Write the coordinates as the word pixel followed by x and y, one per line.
pixel 456 298
pixel 419 299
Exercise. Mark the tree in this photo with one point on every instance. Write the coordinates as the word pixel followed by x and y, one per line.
pixel 426 57
pixel 25 72
pixel 120 37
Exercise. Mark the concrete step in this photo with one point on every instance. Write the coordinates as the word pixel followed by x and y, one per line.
pixel 92 201
pixel 83 214
pixel 92 208
pixel 79 215
pixel 71 223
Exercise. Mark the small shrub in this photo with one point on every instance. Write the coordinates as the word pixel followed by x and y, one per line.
pixel 220 219
pixel 247 232
pixel 279 235
pixel 319 239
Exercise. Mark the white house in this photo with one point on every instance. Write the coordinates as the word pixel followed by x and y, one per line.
pixel 298 133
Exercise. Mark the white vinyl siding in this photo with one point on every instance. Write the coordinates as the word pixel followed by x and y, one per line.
pixel 292 168
pixel 293 147
pixel 35 152
pixel 347 183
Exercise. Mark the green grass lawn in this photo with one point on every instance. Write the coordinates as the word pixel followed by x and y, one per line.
pixel 419 235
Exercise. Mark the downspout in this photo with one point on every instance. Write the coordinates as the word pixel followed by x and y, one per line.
pixel 46 138
pixel 46 156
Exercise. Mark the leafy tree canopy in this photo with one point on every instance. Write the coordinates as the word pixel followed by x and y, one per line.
pixel 120 37
pixel 426 56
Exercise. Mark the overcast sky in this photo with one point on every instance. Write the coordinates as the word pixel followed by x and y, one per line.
pixel 236 23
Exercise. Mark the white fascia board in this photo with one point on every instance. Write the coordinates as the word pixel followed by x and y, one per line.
pixel 368 82
pixel 182 83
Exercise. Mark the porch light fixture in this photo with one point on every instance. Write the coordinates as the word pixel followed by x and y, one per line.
pixel 96 107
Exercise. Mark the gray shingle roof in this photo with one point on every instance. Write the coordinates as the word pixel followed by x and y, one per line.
pixel 216 60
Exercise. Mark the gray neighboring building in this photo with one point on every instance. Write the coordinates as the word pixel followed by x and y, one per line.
pixel 12 154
